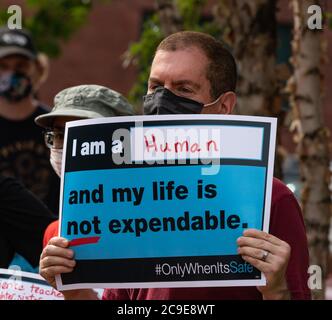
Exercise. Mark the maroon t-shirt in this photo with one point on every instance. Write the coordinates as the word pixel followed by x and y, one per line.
pixel 286 223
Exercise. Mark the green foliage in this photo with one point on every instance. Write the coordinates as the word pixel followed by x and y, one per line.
pixel 3 16
pixel 190 11
pixel 52 21
pixel 193 18
pixel 141 52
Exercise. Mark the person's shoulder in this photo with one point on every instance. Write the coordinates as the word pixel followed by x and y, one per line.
pixel 50 232
pixel 41 109
pixel 8 183
pixel 280 190
pixel 284 203
pixel 4 180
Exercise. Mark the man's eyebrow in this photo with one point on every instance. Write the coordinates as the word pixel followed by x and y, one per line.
pixel 177 82
pixel 188 82
pixel 155 80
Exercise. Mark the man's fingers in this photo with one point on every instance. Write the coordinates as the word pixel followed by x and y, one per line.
pixel 56 261
pixel 256 254
pixel 258 234
pixel 51 272
pixel 59 242
pixel 262 240
pixel 257 263
pixel 257 244
pixel 53 250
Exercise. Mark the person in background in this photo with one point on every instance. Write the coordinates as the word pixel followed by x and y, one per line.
pixel 79 102
pixel 23 220
pixel 23 154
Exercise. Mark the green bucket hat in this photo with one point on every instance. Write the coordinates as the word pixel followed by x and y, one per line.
pixel 87 102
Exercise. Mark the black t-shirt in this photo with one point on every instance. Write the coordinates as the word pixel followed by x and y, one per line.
pixel 23 219
pixel 23 155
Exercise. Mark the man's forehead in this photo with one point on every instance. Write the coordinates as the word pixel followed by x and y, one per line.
pixel 179 64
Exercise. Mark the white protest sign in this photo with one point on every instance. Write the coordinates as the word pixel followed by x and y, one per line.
pixel 20 285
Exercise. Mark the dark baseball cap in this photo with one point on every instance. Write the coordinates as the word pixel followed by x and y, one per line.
pixel 16 42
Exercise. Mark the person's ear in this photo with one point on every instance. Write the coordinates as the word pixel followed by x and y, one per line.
pixel 227 103
pixel 41 71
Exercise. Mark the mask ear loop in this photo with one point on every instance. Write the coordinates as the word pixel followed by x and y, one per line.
pixel 213 102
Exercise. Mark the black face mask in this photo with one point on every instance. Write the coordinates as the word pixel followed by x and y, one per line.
pixel 163 101
pixel 15 86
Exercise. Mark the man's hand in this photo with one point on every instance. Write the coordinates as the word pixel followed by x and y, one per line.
pixel 270 255
pixel 56 258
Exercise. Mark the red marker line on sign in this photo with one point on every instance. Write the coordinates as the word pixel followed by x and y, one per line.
pixel 81 241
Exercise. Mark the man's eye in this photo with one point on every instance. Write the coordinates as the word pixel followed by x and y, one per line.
pixel 185 90
pixel 155 86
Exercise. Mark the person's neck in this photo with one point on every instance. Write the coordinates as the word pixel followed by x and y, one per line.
pixel 19 110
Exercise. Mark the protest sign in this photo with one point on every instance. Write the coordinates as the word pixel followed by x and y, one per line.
pixel 20 285
pixel 159 201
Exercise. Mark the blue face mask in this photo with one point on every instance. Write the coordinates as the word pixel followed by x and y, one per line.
pixel 15 86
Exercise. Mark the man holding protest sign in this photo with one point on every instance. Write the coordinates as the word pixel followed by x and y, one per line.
pixel 175 87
